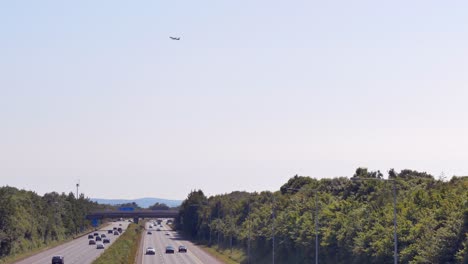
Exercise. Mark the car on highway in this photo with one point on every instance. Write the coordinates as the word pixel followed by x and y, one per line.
pixel 92 242
pixel 182 249
pixel 98 238
pixel 170 250
pixel 167 234
pixel 103 235
pixel 149 233
pixel 150 226
pixel 116 233
pixel 109 231
pixel 106 240
pixel 100 246
pixel 115 228
pixel 150 251
pixel 120 230
pixel 58 259
pixel 96 234
pixel 90 236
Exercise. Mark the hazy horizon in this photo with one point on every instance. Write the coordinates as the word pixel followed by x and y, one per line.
pixel 253 93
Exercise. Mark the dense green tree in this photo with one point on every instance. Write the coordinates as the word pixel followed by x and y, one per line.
pixel 355 219
pixel 159 206
pixel 29 221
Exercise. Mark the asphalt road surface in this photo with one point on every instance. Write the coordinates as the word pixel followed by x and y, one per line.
pixel 166 237
pixel 78 250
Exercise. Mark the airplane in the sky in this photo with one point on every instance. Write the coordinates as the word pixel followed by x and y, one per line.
pixel 174 38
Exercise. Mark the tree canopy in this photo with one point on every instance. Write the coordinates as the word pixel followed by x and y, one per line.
pixel 355 219
pixel 29 221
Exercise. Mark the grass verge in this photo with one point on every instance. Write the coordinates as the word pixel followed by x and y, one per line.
pixel 123 250
pixel 225 255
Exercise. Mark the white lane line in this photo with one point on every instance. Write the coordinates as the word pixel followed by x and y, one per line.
pixel 189 252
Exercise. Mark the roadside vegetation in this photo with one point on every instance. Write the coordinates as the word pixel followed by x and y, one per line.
pixel 30 222
pixel 355 220
pixel 225 254
pixel 125 248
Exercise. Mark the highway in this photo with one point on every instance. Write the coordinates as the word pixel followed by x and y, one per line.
pixel 78 250
pixel 165 237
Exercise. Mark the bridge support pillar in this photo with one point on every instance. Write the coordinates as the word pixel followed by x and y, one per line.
pixel 135 220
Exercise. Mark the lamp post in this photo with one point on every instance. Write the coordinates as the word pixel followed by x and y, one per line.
pixel 316 221
pixel 248 244
pixel 395 237
pixel 273 228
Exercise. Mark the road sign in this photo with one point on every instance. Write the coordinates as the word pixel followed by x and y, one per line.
pixel 126 209
pixel 95 222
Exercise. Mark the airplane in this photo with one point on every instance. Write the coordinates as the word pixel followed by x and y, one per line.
pixel 173 38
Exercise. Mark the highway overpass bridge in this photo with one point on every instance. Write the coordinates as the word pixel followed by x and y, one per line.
pixel 135 215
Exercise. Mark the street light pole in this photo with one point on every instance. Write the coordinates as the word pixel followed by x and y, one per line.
pixel 209 243
pixel 316 221
pixel 273 229
pixel 395 236
pixel 316 226
pixel 248 244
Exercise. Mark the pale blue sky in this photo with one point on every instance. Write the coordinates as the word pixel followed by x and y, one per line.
pixel 253 93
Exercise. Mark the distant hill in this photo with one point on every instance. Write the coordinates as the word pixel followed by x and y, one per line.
pixel 142 202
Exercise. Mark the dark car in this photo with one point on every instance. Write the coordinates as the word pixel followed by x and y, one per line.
pixel 92 242
pixel 149 233
pixel 100 246
pixel 98 238
pixel 58 260
pixel 106 240
pixel 103 235
pixel 90 236
pixel 119 229
pixel 115 228
pixel 170 250
pixel 116 233
pixel 182 249
pixel 109 231
pixel 96 234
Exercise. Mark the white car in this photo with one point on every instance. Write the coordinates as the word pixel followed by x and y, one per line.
pixel 150 251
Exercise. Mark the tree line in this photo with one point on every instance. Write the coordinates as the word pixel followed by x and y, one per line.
pixel 135 206
pixel 29 221
pixel 355 219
